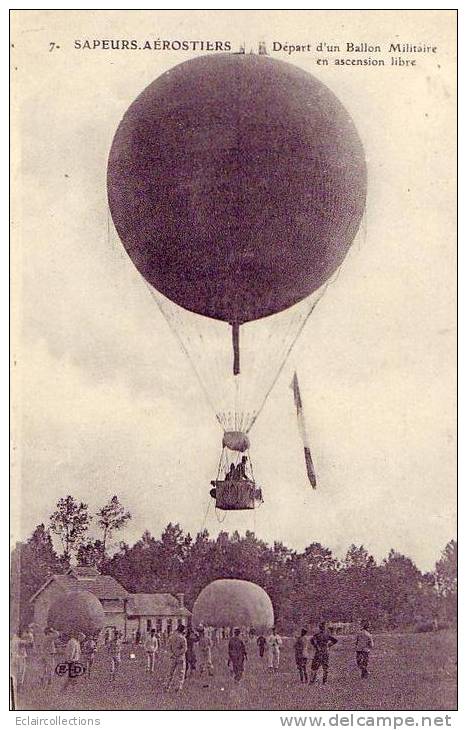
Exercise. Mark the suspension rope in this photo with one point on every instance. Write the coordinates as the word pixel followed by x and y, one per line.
pixel 213 355
pixel 220 521
pixel 290 348
pixel 193 339
pixel 185 349
pixel 290 334
pixel 206 515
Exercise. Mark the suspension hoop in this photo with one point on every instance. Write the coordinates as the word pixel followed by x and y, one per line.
pixel 236 441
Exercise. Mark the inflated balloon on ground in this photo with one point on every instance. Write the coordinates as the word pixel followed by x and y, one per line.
pixel 231 602
pixel 76 611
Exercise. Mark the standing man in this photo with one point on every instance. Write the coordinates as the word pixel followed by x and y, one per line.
pixel 89 653
pixel 19 656
pixel 31 651
pixel 274 643
pixel 115 651
pixel 151 646
pixel 73 647
pixel 205 651
pixel 177 649
pixel 363 646
pixel 261 642
pixel 240 469
pixel 72 655
pixel 321 643
pixel 301 657
pixel 191 639
pixel 237 655
pixel 49 655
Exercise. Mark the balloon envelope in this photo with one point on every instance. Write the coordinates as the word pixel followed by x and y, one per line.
pixel 237 184
pixel 232 603
pixel 76 611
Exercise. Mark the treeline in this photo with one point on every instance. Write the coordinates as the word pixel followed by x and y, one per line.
pixel 303 586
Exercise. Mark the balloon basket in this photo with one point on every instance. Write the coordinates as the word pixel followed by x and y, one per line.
pixel 237 494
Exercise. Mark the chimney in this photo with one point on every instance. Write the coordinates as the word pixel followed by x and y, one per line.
pixel 181 599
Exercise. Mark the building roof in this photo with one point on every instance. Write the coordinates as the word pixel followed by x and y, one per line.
pixel 154 604
pixel 83 571
pixel 103 587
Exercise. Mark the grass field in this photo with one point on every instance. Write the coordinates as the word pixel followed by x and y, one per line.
pixel 407 672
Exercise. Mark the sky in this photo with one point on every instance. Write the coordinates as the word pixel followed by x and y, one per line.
pixel 106 402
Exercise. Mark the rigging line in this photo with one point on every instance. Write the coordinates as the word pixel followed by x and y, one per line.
pixel 259 361
pixel 300 329
pixel 260 357
pixel 195 341
pixel 110 237
pixel 221 337
pixel 167 319
pixel 287 336
pixel 235 400
pixel 186 332
pixel 218 518
pixel 245 418
pixel 253 346
pixel 244 422
pixel 361 235
pixel 215 372
pixel 205 516
pixel 251 466
pixel 219 466
pixel 288 333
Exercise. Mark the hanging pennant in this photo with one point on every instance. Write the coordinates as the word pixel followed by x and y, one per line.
pixel 310 470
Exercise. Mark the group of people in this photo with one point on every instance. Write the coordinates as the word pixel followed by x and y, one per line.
pixel 233 474
pixel 189 651
pixel 43 650
pixel 186 646
pixel 239 471
pixel 317 648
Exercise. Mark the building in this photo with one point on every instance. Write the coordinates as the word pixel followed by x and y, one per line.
pixel 126 612
pixel 160 611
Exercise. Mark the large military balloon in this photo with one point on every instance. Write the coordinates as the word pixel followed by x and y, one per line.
pixel 231 602
pixel 237 184
pixel 76 611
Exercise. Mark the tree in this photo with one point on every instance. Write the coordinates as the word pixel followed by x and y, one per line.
pixel 70 522
pixel 133 566
pixel 91 553
pixel 402 590
pixel 32 563
pixel 278 581
pixel 446 570
pixel 359 558
pixel 446 580
pixel 110 518
pixel 197 568
pixel 358 595
pixel 170 554
pixel 319 558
